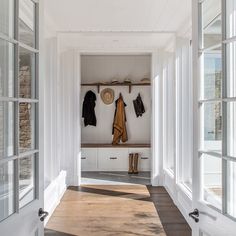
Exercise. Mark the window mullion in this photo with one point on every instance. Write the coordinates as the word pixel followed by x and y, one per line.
pixel 224 111
pixel 16 114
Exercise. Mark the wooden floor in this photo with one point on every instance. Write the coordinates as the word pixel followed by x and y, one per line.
pixel 117 210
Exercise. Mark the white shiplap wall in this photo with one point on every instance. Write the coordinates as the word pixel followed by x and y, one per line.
pixel 104 68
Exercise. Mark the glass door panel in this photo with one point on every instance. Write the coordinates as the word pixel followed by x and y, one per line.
pixel 6 129
pixel 231 69
pixel 27 73
pixel 26 127
pixel 212 74
pixel 7 17
pixel 231 129
pixel 27 180
pixel 211 22
pixel 7 203
pixel 6 69
pixel 230 18
pixel 212 181
pixel 27 22
pixel 19 170
pixel 212 120
pixel 231 194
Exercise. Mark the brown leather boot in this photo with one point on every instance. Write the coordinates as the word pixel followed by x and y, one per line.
pixel 136 163
pixel 131 160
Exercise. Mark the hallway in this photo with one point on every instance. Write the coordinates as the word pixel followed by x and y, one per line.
pixel 117 210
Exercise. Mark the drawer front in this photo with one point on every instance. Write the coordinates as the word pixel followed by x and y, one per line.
pixel 113 159
pixel 89 159
pixel 144 158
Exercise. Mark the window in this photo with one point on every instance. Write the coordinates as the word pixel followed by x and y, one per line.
pixel 168 113
pixel 217 104
pixel 18 105
pixel 184 110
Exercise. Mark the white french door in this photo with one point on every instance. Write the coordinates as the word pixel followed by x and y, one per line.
pixel 214 179
pixel 20 164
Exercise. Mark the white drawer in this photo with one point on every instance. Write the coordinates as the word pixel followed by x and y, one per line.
pixel 89 159
pixel 113 159
pixel 144 158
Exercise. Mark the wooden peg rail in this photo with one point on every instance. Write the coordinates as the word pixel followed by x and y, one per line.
pixel 129 85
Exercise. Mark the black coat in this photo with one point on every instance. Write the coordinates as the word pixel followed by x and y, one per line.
pixel 138 106
pixel 88 112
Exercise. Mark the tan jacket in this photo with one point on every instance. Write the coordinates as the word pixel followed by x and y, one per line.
pixel 119 125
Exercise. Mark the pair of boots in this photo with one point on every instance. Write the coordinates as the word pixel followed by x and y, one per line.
pixel 133 163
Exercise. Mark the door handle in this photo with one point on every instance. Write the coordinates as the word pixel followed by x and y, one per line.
pixel 42 214
pixel 194 215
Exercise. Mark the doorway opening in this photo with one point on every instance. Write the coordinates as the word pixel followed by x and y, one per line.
pixel 106 79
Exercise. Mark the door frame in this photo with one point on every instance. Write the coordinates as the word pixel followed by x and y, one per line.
pixel 157 106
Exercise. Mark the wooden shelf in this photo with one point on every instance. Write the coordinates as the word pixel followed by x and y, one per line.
pixel 98 85
pixel 123 145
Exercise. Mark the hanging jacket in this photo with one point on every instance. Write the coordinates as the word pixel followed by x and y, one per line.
pixel 138 106
pixel 119 124
pixel 88 112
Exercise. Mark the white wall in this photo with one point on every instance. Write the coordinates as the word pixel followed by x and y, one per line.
pixel 51 97
pixel 70 112
pixel 51 154
pixel 138 129
pixel 104 68
pixel 101 68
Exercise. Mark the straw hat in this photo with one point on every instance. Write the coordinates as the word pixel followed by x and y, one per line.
pixel 107 96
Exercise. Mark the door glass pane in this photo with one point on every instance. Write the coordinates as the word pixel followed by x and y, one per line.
pixel 6 69
pixel 212 74
pixel 231 69
pixel 231 18
pixel 6 129
pixel 26 73
pixel 212 180
pixel 7 17
pixel 211 22
pixel 6 190
pixel 27 127
pixel 27 22
pixel 27 180
pixel 231 129
pixel 212 132
pixel 231 193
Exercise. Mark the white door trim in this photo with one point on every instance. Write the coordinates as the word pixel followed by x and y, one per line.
pixel 156 136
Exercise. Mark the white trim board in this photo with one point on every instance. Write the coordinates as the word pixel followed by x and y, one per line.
pixel 53 194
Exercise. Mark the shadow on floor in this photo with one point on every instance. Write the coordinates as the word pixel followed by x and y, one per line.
pixel 172 220
pixel 111 193
pixel 49 232
pixel 98 177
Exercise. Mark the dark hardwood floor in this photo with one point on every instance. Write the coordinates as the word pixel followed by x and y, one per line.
pixel 172 220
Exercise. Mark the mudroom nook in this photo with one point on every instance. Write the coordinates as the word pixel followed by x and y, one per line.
pixel 106 158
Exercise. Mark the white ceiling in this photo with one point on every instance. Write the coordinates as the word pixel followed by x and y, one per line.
pixel 115 42
pixel 136 17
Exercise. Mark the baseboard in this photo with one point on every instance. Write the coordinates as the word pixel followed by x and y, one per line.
pixel 179 197
pixel 53 194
